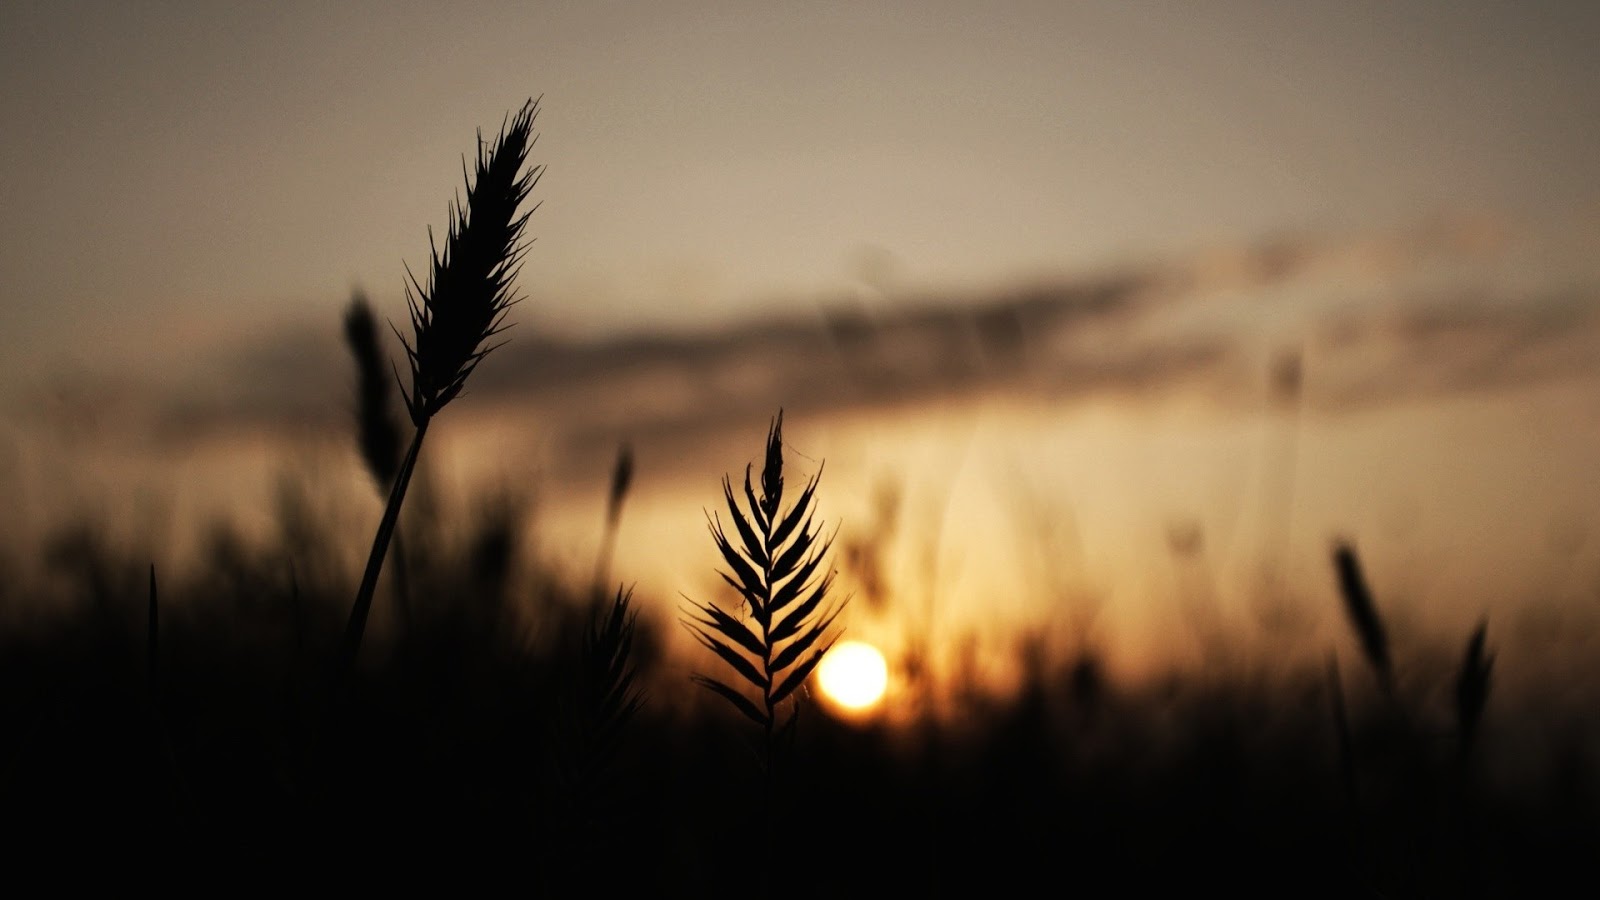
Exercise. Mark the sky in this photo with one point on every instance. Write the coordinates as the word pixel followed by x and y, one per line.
pixel 217 163
pixel 943 230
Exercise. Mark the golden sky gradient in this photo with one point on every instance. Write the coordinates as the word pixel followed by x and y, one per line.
pixel 1029 264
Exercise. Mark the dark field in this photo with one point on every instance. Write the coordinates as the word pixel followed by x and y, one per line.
pixel 195 729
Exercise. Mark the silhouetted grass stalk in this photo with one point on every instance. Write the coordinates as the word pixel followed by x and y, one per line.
pixel 1472 686
pixel 377 426
pixel 775 568
pixel 356 625
pixel 1362 612
pixel 606 697
pixel 463 305
pixel 621 478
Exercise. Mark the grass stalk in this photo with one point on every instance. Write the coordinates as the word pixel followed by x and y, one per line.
pixel 1362 611
pixel 356 625
pixel 1472 686
pixel 777 568
pixel 605 695
pixel 621 479
pixel 377 425
pixel 453 317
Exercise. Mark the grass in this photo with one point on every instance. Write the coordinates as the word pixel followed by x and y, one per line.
pixel 1362 611
pixel 512 728
pixel 462 307
pixel 775 561
pixel 468 754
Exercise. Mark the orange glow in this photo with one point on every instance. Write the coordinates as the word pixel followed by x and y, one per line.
pixel 854 675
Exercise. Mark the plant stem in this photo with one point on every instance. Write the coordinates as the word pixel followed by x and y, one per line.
pixel 357 623
pixel 769 743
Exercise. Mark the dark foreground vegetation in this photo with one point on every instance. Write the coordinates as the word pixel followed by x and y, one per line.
pixel 187 724
pixel 504 727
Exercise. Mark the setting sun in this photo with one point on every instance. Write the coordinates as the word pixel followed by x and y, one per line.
pixel 853 675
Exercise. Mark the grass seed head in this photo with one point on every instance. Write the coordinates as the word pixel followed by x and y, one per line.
pixel 1363 614
pixel 621 479
pixel 777 559
pixel 469 288
pixel 376 425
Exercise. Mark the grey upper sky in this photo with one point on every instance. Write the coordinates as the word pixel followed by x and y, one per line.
pixel 1149 205
pixel 172 172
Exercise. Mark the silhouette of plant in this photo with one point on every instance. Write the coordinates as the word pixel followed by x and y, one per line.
pixel 1472 685
pixel 1363 614
pixel 377 426
pixel 463 306
pixel 605 697
pixel 377 430
pixel 621 479
pixel 777 568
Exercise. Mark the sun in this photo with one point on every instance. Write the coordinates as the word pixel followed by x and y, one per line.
pixel 853 675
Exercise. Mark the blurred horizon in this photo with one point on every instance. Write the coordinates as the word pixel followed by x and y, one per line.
pixel 1125 462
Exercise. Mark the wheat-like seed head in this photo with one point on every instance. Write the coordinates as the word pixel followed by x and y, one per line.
pixel 464 305
pixel 776 563
pixel 1362 611
pixel 621 479
pixel 611 699
pixel 377 430
pixel 469 285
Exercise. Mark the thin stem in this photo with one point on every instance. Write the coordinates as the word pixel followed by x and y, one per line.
pixel 402 584
pixel 769 744
pixel 357 624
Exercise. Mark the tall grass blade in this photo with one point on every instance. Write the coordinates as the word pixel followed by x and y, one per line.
pixel 356 625
pixel 377 424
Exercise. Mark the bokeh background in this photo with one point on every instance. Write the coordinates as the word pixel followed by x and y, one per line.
pixel 1106 318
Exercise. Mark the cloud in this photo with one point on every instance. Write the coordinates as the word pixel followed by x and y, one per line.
pixel 1373 255
pixel 1457 345
pixel 1130 334
pixel 1036 340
